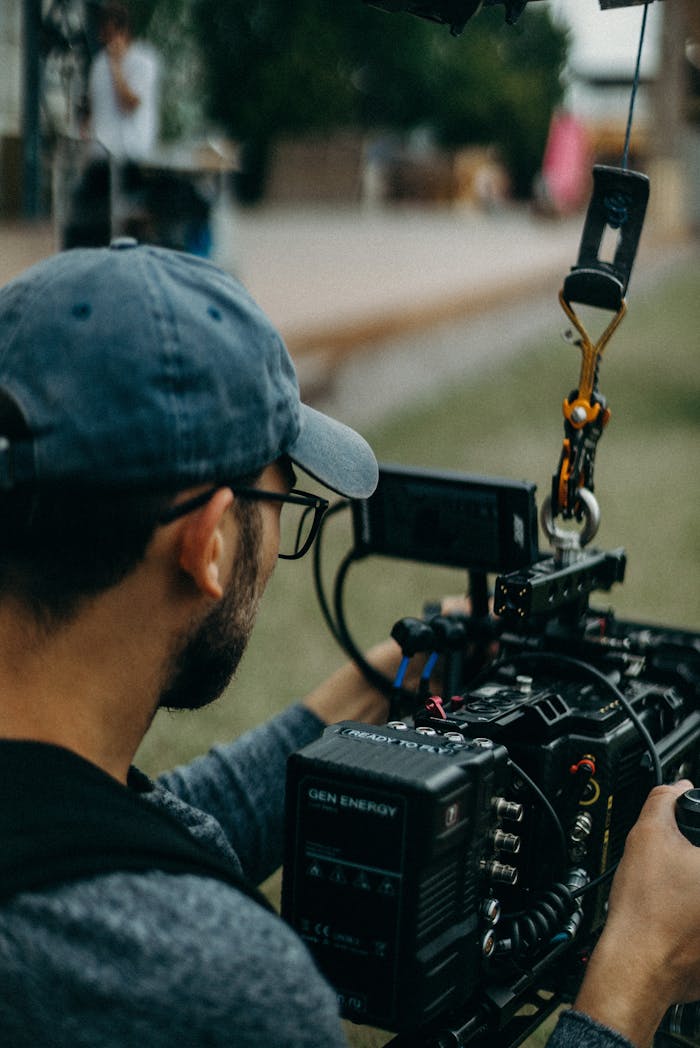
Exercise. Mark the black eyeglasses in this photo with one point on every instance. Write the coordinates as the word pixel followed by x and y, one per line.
pixel 298 526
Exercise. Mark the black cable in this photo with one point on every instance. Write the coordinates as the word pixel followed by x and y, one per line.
pixel 375 677
pixel 338 625
pixel 527 930
pixel 635 85
pixel 596 882
pixel 318 577
pixel 544 800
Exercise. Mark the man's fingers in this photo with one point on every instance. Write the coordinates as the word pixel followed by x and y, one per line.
pixel 661 799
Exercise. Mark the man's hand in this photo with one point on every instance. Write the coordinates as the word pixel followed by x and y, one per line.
pixel 116 48
pixel 648 956
pixel 347 695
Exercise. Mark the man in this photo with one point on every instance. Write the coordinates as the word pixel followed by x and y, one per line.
pixel 122 124
pixel 123 89
pixel 150 429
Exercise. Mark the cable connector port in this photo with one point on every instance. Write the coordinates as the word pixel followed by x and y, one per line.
pixel 506 842
pixel 499 872
pixel 509 810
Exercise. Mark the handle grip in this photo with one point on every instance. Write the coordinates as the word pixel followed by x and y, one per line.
pixel 688 815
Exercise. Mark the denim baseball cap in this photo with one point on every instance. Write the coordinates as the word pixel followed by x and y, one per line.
pixel 133 365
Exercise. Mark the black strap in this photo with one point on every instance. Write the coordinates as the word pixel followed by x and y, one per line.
pixel 63 819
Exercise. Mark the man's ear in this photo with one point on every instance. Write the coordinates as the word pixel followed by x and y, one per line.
pixel 203 548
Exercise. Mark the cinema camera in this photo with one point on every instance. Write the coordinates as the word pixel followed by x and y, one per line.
pixel 450 870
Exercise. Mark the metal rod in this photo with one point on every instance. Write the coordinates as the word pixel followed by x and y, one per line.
pixel 31 127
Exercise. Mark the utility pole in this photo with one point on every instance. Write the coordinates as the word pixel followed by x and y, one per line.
pixel 670 199
pixel 671 84
pixel 31 122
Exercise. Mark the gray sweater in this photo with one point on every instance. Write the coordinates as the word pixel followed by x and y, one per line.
pixel 156 959
pixel 575 1030
pixel 160 959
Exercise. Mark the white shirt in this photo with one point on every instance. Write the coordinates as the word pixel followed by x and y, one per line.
pixel 126 135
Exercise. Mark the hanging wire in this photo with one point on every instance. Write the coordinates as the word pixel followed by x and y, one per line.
pixel 635 85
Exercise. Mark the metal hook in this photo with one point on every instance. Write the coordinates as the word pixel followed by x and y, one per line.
pixel 569 543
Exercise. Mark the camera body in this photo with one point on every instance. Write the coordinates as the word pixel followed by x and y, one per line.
pixel 444 869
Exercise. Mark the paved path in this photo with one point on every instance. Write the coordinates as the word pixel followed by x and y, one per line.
pixel 351 289
pixel 335 278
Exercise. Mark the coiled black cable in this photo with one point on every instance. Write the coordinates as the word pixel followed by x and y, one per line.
pixel 523 934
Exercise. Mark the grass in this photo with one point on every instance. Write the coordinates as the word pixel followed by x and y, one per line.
pixel 507 424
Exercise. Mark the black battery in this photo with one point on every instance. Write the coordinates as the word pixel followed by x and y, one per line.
pixel 388 836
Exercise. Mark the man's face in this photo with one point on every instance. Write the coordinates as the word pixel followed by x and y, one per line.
pixel 209 656
pixel 109 30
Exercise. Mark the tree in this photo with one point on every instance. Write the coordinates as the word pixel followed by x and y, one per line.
pixel 273 68
pixel 502 89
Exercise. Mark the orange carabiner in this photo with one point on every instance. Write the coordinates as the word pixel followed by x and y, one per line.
pixel 590 355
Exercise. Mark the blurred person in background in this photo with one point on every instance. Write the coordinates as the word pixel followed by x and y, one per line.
pixel 121 125
pixel 123 89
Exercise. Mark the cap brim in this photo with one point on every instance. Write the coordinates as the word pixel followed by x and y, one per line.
pixel 334 454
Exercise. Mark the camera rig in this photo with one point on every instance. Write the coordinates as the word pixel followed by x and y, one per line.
pixel 450 870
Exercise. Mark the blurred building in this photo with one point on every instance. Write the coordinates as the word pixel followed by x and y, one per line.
pixel 600 71
pixel 665 138
pixel 665 134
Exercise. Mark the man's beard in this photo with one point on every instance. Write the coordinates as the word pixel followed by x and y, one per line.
pixel 210 654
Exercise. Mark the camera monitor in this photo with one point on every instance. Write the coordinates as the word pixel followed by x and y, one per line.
pixel 482 524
